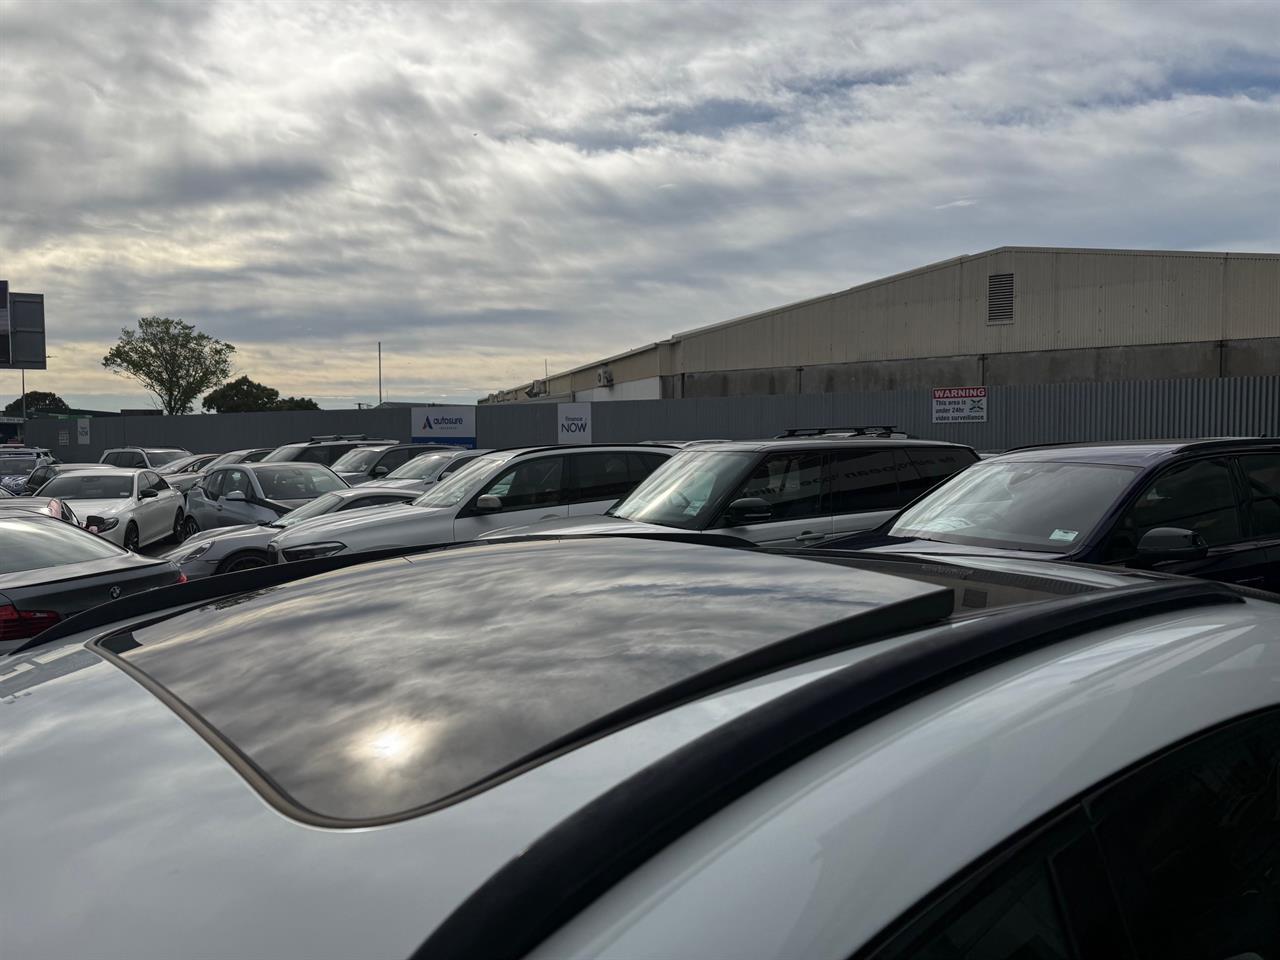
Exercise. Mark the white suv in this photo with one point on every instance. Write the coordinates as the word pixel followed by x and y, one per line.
pixel 500 489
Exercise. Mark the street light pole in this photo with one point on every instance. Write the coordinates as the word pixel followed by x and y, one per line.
pixel 379 373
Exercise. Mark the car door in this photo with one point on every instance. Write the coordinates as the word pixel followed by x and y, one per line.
pixel 1201 496
pixel 864 488
pixel 236 510
pixel 203 497
pixel 150 512
pixel 1259 475
pixel 597 480
pixel 793 484
pixel 531 489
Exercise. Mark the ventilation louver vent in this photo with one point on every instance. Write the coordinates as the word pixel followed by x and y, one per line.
pixel 1000 298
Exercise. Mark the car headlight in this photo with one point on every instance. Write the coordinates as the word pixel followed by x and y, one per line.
pixel 312 551
pixel 101 524
pixel 194 553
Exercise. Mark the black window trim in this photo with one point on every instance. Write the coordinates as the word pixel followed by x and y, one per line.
pixel 606 839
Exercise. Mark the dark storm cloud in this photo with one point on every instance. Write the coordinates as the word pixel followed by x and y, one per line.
pixel 484 186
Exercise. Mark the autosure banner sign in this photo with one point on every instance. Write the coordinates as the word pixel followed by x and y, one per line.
pixel 959 404
pixel 574 423
pixel 443 424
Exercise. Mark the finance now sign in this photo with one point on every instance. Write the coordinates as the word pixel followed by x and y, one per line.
pixel 445 424
pixel 574 423
pixel 959 404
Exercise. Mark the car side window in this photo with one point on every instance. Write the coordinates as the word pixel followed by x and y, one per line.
pixel 640 465
pixel 1192 844
pixel 920 469
pixel 1262 483
pixel 395 458
pixel 236 480
pixel 322 455
pixel 598 476
pixel 147 481
pixel 159 482
pixel 791 483
pixel 135 460
pixel 1198 496
pixel 864 480
pixel 213 484
pixel 530 483
pixel 111 458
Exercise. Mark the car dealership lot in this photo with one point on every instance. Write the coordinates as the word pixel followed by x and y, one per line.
pixel 774 667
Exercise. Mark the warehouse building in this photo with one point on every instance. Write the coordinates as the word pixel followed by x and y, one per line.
pixel 1010 316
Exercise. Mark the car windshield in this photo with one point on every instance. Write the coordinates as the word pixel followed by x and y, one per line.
pixel 90 486
pixel 15 465
pixel 159 458
pixel 296 481
pixel 1019 505
pixel 357 461
pixel 320 505
pixel 424 467
pixel 462 485
pixel 34 546
pixel 686 490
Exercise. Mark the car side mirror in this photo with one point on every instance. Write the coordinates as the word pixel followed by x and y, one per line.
pixel 148 493
pixel 1161 544
pixel 488 503
pixel 235 496
pixel 748 510
pixel 380 471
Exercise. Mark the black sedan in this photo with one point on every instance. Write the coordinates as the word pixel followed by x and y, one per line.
pixel 1200 508
pixel 51 570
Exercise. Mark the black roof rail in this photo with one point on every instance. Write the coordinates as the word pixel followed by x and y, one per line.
pixel 605 840
pixel 864 430
pixel 1180 444
pixel 583 446
pixel 321 438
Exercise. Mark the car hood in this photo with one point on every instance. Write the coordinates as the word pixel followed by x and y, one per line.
pixel 97 508
pixel 595 524
pixel 366 518
pixel 406 483
pixel 938 548
pixel 245 531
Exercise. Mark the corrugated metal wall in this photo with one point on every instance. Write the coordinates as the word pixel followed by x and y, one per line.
pixel 1017 415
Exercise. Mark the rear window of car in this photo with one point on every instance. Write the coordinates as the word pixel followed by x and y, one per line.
pixel 38 544
pixel 374 692
pixel 159 458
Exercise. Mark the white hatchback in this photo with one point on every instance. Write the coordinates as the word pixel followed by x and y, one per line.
pixel 132 508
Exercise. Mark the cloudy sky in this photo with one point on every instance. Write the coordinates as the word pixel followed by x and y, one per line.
pixel 485 186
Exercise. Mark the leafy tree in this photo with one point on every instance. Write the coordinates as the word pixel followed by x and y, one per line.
pixel 243 395
pixel 171 360
pixel 296 403
pixel 36 400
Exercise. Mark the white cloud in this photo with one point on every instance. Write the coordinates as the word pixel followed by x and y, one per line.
pixel 484 186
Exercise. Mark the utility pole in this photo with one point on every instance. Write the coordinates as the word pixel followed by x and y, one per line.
pixel 379 373
pixel 24 401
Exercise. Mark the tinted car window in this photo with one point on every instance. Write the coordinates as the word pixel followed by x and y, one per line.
pixel 791 483
pixel 1262 481
pixel 159 458
pixel 640 465
pixel 395 458
pixel 133 459
pixel 864 480
pixel 16 465
pixel 530 483
pixel 923 468
pixel 98 485
pixel 1197 496
pixel 686 491
pixel 236 480
pixel 34 546
pixel 255 456
pixel 598 476
pixel 214 483
pixel 1192 842
pixel 296 482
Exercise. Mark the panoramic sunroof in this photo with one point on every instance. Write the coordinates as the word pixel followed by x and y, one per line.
pixel 380 691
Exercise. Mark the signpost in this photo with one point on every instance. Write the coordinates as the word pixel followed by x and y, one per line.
pixel 574 423
pixel 454 425
pixel 959 404
pixel 82 430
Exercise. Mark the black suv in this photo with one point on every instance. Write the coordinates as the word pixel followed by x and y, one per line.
pixel 324 450
pixel 790 491
pixel 1204 508
pixel 373 462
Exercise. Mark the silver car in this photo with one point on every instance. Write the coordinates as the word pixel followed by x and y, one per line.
pixel 499 489
pixel 253 493
pixel 231 549
pixel 428 469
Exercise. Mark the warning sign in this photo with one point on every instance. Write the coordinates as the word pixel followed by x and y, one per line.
pixel 959 404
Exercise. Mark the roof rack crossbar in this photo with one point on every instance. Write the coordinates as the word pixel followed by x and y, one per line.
pixel 591 850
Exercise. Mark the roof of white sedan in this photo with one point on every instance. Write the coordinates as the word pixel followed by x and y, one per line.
pixel 473 731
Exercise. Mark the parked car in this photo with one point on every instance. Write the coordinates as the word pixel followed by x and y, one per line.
pixel 1204 508
pixel 788 491
pixel 253 493
pixel 246 455
pixel 51 570
pixel 15 469
pixel 232 549
pixel 501 488
pixel 48 506
pixel 192 464
pixel 132 508
pixel 427 469
pixel 364 464
pixel 142 458
pixel 614 748
pixel 46 472
pixel 324 450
